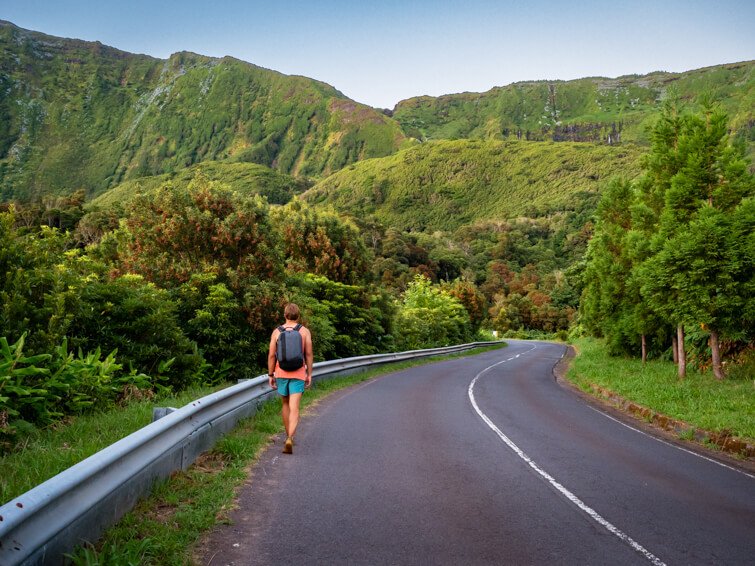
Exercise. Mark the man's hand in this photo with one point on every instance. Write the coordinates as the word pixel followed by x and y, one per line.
pixel 307 381
pixel 271 381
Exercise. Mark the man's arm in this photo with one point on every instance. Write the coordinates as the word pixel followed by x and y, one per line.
pixel 271 358
pixel 309 357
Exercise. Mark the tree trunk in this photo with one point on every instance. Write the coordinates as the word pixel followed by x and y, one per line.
pixel 644 350
pixel 675 348
pixel 682 354
pixel 715 352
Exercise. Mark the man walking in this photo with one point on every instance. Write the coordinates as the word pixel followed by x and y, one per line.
pixel 289 368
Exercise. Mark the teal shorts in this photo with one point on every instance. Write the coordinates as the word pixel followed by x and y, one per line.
pixel 288 386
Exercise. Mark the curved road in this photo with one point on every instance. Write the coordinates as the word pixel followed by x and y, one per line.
pixel 484 460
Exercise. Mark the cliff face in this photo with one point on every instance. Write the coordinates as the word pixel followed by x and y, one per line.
pixel 592 109
pixel 76 114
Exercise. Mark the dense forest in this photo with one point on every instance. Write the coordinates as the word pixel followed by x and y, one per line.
pixel 155 216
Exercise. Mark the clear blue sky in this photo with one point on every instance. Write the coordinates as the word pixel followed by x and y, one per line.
pixel 381 51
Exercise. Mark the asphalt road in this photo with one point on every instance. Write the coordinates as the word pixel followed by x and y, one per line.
pixel 484 460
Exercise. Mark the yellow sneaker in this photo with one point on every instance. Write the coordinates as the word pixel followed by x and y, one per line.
pixel 288 447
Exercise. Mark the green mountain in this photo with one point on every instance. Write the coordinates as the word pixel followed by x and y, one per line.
pixel 443 185
pixel 77 114
pixel 590 109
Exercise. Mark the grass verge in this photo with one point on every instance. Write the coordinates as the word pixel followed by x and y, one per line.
pixel 48 452
pixel 699 400
pixel 162 528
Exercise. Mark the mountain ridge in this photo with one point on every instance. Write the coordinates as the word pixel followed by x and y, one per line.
pixel 584 109
pixel 77 114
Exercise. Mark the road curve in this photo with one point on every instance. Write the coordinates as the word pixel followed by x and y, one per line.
pixel 483 460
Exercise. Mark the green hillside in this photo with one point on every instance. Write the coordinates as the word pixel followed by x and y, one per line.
pixel 589 109
pixel 76 114
pixel 446 184
pixel 244 178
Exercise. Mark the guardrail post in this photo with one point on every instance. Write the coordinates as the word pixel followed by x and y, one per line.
pixel 160 412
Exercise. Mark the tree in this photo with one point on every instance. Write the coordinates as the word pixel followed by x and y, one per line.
pixel 471 298
pixel 607 302
pixel 322 243
pixel 176 232
pixel 699 271
pixel 428 317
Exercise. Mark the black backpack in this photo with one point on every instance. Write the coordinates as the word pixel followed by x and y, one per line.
pixel 289 350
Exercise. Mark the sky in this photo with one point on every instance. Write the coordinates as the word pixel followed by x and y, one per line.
pixel 379 52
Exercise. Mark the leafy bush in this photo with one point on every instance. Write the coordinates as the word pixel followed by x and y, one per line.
pixel 178 231
pixel 139 320
pixel 322 243
pixel 39 284
pixel 46 387
pixel 213 317
pixel 429 316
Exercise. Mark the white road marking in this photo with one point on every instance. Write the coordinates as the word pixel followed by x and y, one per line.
pixel 673 445
pixel 568 494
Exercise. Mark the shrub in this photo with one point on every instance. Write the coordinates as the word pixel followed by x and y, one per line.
pixel 214 319
pixel 43 388
pixel 140 321
pixel 345 320
pixel 429 316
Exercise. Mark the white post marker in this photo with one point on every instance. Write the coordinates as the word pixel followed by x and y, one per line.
pixel 568 494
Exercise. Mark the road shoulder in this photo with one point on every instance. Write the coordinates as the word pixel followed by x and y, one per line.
pixel 633 415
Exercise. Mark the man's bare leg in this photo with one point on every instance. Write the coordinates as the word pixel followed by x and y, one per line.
pixel 285 411
pixel 293 414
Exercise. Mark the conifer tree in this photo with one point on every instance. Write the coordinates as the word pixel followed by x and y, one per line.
pixel 699 271
pixel 606 305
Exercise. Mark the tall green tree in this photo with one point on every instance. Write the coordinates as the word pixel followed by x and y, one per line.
pixel 699 271
pixel 608 302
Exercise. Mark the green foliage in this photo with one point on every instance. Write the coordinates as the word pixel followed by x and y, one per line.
pixel 345 320
pixel 700 268
pixel 676 248
pixel 214 318
pixel 247 179
pixel 446 185
pixel 612 305
pixel 595 109
pixel 43 388
pixel 140 321
pixel 429 316
pixel 79 114
pixel 39 283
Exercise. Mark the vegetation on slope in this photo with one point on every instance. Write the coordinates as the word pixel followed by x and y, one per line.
pixel 589 109
pixel 244 178
pixel 80 115
pixel 445 185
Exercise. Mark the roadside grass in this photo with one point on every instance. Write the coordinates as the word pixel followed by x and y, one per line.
pixel 162 529
pixel 47 452
pixel 698 400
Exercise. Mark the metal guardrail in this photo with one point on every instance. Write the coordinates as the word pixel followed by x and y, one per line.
pixel 77 505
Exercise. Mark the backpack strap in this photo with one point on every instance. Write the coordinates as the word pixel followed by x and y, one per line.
pixel 297 327
pixel 281 328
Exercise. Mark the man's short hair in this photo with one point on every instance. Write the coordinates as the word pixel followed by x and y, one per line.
pixel 291 312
